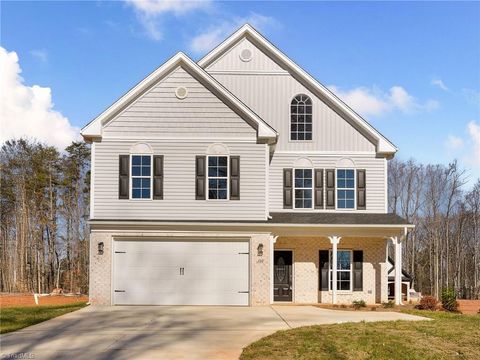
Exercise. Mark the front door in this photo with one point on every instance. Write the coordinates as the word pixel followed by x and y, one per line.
pixel 282 275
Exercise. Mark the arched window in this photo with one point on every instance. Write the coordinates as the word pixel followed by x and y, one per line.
pixel 301 118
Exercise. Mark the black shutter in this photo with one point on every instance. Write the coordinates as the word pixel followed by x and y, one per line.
pixel 330 188
pixel 318 188
pixel 361 190
pixel 123 176
pixel 234 177
pixel 358 270
pixel 158 177
pixel 200 178
pixel 287 188
pixel 323 270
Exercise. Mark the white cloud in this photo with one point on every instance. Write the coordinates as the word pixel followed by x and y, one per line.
pixel 454 142
pixel 474 132
pixel 27 111
pixel 376 102
pixel 213 35
pixel 149 12
pixel 41 55
pixel 439 83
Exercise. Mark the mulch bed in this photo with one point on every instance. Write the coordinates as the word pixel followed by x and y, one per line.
pixel 13 300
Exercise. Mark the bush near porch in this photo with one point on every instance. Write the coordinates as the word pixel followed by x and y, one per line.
pixel 447 336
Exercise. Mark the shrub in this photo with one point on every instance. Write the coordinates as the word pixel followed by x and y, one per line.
pixel 428 303
pixel 449 300
pixel 373 308
pixel 388 304
pixel 343 306
pixel 357 304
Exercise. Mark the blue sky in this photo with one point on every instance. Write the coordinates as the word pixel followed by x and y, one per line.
pixel 412 69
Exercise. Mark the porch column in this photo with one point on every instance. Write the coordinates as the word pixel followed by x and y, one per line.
pixel 273 240
pixel 334 240
pixel 397 242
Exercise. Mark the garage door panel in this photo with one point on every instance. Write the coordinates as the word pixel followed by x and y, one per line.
pixel 213 272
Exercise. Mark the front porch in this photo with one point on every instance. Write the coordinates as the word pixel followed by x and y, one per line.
pixel 338 262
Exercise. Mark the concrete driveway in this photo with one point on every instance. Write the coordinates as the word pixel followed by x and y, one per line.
pixel 167 332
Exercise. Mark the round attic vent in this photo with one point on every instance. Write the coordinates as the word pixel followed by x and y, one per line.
pixel 181 92
pixel 246 55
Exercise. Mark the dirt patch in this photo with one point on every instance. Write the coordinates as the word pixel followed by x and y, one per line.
pixel 470 307
pixel 12 300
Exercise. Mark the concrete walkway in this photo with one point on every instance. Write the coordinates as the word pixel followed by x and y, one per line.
pixel 168 332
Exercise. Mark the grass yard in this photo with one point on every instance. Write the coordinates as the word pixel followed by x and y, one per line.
pixel 15 318
pixel 448 336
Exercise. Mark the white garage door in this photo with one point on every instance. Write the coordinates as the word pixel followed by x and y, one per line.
pixel 181 273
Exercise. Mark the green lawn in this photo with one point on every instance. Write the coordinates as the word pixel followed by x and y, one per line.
pixel 448 336
pixel 16 318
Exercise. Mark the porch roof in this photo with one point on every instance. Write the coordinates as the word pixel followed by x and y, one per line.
pixel 337 218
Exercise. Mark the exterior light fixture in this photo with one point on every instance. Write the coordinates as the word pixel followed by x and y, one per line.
pixel 260 249
pixel 100 248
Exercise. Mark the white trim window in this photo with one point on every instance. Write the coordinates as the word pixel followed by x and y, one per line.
pixel 345 189
pixel 301 118
pixel 344 270
pixel 141 176
pixel 218 171
pixel 303 188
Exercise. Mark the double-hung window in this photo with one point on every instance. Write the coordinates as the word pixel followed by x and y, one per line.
pixel 344 270
pixel 218 177
pixel 303 183
pixel 345 189
pixel 141 173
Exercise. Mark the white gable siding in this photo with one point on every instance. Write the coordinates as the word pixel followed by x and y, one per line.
pixel 159 113
pixel 231 61
pixel 375 177
pixel 268 90
pixel 270 97
pixel 179 183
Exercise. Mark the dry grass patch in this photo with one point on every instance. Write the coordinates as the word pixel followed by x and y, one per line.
pixel 448 336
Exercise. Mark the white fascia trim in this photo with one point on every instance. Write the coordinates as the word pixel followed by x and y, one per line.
pixel 383 144
pixel 94 128
pixel 233 224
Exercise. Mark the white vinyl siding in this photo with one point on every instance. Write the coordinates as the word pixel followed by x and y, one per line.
pixel 375 175
pixel 179 183
pixel 268 90
pixel 159 113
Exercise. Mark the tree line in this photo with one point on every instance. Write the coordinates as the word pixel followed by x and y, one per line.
pixel 443 251
pixel 44 199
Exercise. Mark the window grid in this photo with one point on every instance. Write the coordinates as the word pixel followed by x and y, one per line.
pixel 141 170
pixel 301 118
pixel 345 189
pixel 344 270
pixel 218 177
pixel 303 188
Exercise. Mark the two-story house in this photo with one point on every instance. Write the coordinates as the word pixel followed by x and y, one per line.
pixel 238 180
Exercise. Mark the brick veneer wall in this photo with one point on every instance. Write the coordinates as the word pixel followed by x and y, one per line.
pixel 305 257
pixel 101 267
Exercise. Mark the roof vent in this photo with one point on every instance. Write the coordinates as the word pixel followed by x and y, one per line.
pixel 246 55
pixel 181 92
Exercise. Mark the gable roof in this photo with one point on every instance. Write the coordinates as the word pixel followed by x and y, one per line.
pixel 383 145
pixel 93 130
